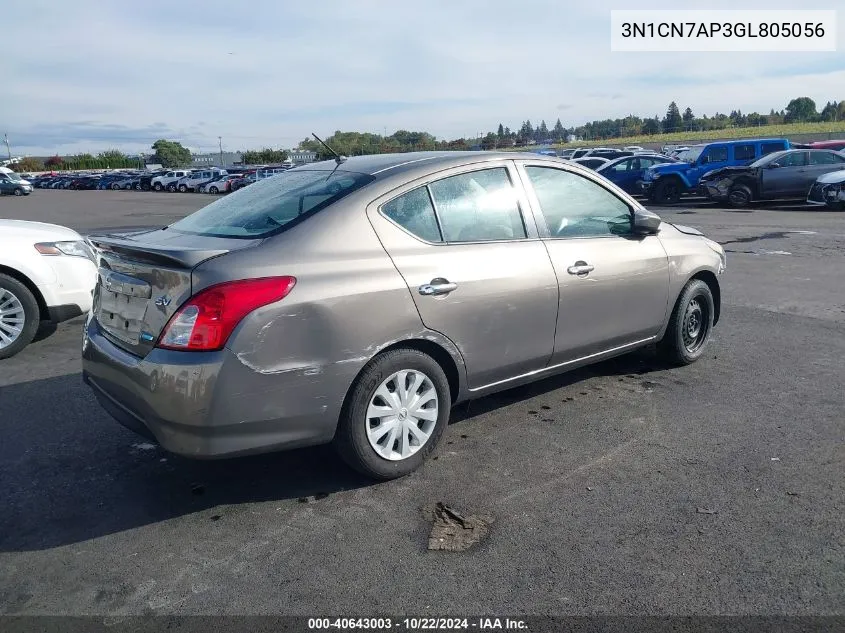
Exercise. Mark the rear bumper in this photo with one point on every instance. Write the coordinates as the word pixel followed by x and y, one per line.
pixel 209 404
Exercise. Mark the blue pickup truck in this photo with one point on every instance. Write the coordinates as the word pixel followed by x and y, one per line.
pixel 666 183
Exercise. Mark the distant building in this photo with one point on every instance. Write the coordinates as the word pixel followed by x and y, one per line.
pixel 212 159
pixel 302 156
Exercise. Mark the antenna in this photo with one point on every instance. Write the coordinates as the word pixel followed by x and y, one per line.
pixel 340 159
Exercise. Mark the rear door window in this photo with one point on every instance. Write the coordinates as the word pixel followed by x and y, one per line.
pixel 744 152
pixel 824 158
pixel 768 148
pixel 478 206
pixel 715 154
pixel 414 212
pixel 794 159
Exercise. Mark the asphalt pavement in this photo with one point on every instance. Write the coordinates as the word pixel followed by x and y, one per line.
pixel 623 488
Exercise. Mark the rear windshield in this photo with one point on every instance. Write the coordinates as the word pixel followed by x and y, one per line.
pixel 268 205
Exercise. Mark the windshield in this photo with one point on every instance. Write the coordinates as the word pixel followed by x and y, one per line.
pixel 13 177
pixel 270 204
pixel 768 158
pixel 691 155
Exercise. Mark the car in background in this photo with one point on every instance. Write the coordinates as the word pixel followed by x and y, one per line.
pixel 47 273
pixel 780 175
pixel 634 148
pixel 167 181
pixel 836 145
pixel 226 333
pixel 221 185
pixel 666 183
pixel 626 171
pixel 145 180
pixel 127 182
pixel 84 183
pixel 12 184
pixel 829 190
pixel 195 180
pixel 591 162
pixel 244 181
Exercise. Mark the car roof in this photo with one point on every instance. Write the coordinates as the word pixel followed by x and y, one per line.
pixel 392 164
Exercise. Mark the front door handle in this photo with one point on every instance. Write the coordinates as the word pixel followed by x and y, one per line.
pixel 437 286
pixel 580 268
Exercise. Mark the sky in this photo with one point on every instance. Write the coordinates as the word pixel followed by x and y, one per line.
pixel 89 75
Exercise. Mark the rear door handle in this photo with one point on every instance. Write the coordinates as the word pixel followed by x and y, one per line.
pixel 580 268
pixel 437 286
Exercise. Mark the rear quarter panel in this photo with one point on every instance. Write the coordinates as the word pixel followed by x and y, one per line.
pixel 299 357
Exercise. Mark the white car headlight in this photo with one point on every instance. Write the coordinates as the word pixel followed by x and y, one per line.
pixel 76 248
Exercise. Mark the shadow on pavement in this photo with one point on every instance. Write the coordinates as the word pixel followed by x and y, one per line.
pixel 70 473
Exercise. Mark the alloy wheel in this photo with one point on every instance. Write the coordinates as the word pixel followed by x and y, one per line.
pixel 402 414
pixel 12 318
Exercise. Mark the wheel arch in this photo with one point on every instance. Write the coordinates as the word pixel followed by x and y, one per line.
pixel 26 281
pixel 713 283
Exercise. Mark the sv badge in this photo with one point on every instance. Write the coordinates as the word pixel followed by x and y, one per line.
pixel 163 301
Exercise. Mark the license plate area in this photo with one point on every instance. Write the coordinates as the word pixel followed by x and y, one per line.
pixel 121 304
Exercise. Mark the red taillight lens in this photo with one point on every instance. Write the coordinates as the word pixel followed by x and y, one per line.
pixel 205 322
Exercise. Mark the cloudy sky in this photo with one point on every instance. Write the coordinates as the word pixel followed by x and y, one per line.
pixel 93 74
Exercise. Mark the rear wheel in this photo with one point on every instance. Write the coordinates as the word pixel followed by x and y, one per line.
pixel 18 191
pixel 740 196
pixel 182 188
pixel 667 190
pixel 19 316
pixel 171 188
pixel 395 414
pixel 115 186
pixel 157 186
pixel 213 190
pixel 690 326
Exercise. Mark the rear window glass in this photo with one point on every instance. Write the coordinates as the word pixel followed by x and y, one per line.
pixel 743 152
pixel 768 148
pixel 270 204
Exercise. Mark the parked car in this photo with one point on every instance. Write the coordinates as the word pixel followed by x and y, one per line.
pixel 47 273
pixel 129 182
pixel 836 145
pixel 591 162
pixel 84 183
pixel 452 275
pixel 829 190
pixel 221 185
pixel 626 171
pixel 167 181
pixel 198 178
pixel 12 184
pixel 668 182
pixel 780 175
pixel 634 148
pixel 609 154
pixel 145 180
pixel 243 181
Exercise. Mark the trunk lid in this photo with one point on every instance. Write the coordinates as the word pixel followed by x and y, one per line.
pixel 143 279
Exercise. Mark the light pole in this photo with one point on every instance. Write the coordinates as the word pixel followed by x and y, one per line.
pixel 8 149
pixel 220 141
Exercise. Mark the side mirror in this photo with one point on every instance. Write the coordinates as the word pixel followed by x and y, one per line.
pixel 774 165
pixel 645 222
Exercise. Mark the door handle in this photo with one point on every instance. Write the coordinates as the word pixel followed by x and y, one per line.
pixel 580 268
pixel 437 286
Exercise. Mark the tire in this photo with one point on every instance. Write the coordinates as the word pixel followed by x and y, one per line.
pixel 213 190
pixel 351 440
pixel 158 186
pixel 675 347
pixel 115 186
pixel 667 190
pixel 740 196
pixel 182 188
pixel 18 191
pixel 137 187
pixel 16 298
pixel 171 188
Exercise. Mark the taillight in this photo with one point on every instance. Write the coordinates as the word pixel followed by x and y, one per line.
pixel 205 322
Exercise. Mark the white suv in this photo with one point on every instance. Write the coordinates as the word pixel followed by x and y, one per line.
pixel 168 180
pixel 47 273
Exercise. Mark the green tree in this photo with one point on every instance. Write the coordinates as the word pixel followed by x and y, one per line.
pixel 651 126
pixel 673 122
pixel 500 132
pixel 688 118
pixel 171 154
pixel 54 162
pixel 801 109
pixel 26 164
pixel 542 132
pixel 830 111
pixel 114 158
pixel 558 132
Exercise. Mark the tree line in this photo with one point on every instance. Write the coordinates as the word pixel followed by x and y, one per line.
pixel 172 154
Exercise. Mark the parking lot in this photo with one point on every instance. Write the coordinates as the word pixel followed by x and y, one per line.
pixel 623 488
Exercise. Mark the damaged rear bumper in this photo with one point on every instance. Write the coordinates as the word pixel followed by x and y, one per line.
pixel 211 404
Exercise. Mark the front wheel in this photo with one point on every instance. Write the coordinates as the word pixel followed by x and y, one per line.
pixel 212 189
pixel 19 316
pixel 18 191
pixel 171 188
pixel 740 196
pixel 690 326
pixel 667 191
pixel 115 187
pixel 395 414
pixel 157 186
